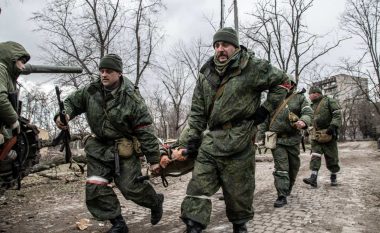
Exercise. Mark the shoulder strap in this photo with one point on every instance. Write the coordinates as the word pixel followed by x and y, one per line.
pixel 279 108
pixel 317 111
pixel 318 107
pixel 217 95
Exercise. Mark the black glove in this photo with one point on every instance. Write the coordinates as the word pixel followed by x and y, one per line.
pixel 260 115
pixel 192 147
pixel 332 130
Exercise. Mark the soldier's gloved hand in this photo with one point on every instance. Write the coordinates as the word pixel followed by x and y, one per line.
pixel 15 127
pixel 260 115
pixel 192 147
pixel 332 130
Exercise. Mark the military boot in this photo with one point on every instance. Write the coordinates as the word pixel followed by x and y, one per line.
pixel 192 226
pixel 240 228
pixel 280 202
pixel 118 225
pixel 312 180
pixel 156 213
pixel 333 179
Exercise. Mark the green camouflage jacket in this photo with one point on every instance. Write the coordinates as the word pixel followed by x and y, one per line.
pixel 282 124
pixel 122 114
pixel 245 80
pixel 10 52
pixel 329 113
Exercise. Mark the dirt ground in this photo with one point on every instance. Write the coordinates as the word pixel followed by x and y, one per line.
pixel 53 201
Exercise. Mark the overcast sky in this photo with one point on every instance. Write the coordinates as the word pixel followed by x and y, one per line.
pixel 184 19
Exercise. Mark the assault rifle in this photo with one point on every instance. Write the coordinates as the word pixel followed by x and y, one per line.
pixel 64 135
pixel 20 153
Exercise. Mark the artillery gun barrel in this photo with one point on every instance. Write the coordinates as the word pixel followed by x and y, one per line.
pixel 51 69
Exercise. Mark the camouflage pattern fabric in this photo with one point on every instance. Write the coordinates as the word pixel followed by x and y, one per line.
pixel 288 135
pixel 286 154
pixel 330 152
pixel 245 80
pixel 225 157
pixel 329 114
pixel 235 176
pixel 116 115
pixel 121 113
pixel 286 166
pixel 101 200
pixel 10 52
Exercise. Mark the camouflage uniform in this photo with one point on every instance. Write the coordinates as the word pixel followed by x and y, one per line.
pixel 286 154
pixel 111 116
pixel 10 52
pixel 226 154
pixel 328 114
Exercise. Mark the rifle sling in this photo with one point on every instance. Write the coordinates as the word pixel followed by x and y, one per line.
pixel 218 93
pixel 278 110
pixel 316 112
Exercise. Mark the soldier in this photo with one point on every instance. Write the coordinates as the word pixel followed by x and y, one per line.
pixel 117 115
pixel 224 113
pixel 293 115
pixel 326 122
pixel 13 57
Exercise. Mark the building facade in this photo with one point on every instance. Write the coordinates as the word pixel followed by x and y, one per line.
pixel 351 94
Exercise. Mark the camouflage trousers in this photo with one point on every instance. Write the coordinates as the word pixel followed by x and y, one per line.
pixel 286 166
pixel 101 200
pixel 330 151
pixel 235 175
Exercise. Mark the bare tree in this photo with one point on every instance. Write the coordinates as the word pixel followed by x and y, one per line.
pixel 82 31
pixel 192 56
pixel 361 20
pixel 146 35
pixel 159 107
pixel 280 31
pixel 170 103
pixel 178 86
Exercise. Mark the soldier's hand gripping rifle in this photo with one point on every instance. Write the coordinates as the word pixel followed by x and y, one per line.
pixel 64 135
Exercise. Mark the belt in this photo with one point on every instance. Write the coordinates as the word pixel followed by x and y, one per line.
pixel 108 142
pixel 284 135
pixel 227 125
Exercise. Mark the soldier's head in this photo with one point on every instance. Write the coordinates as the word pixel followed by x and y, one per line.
pixel 110 68
pixel 314 93
pixel 225 43
pixel 14 56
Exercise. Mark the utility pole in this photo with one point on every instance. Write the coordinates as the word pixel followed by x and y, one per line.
pixel 236 17
pixel 222 14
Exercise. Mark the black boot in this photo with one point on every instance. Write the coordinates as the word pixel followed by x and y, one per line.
pixel 333 179
pixel 280 202
pixel 192 226
pixel 312 180
pixel 240 228
pixel 156 213
pixel 118 225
